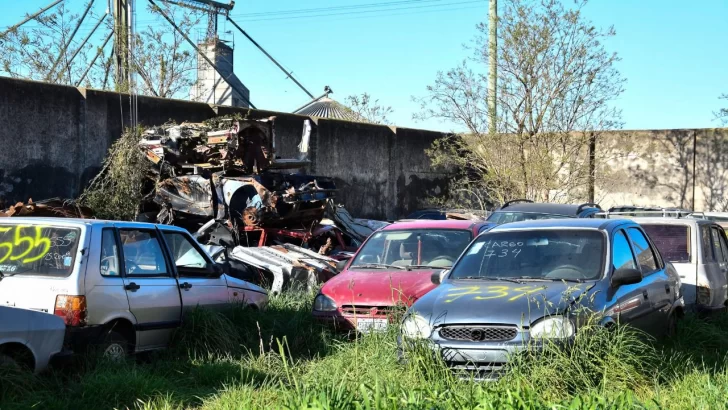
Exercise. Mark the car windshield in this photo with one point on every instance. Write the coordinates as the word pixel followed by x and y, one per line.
pixel 673 241
pixel 505 217
pixel 37 249
pixel 422 248
pixel 564 254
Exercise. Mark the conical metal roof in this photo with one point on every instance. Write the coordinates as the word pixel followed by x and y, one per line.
pixel 325 107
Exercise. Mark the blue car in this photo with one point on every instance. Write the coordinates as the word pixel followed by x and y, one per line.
pixel 522 283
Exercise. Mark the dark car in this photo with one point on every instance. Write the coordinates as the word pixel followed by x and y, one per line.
pixel 522 283
pixel 442 214
pixel 524 210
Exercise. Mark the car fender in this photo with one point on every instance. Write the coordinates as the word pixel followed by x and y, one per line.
pixel 115 315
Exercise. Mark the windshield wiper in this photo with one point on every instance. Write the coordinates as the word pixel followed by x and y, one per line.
pixel 568 280
pixel 377 266
pixel 410 267
pixel 512 280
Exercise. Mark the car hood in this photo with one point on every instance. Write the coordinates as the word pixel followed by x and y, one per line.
pixel 376 287
pixel 497 302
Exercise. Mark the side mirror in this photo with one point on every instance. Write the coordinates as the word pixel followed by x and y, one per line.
pixel 626 276
pixel 438 276
pixel 340 265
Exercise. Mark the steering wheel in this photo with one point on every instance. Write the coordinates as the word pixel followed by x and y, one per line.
pixel 447 259
pixel 569 270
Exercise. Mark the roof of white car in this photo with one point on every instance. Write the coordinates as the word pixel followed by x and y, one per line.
pixel 79 222
pixel 656 220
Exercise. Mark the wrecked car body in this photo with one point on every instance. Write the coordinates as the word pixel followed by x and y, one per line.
pixel 227 170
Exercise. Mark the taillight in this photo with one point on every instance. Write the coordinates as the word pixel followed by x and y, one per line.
pixel 703 295
pixel 72 309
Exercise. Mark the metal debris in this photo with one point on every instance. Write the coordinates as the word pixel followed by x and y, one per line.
pixel 54 207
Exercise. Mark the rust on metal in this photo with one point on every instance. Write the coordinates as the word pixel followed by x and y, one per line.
pixel 54 207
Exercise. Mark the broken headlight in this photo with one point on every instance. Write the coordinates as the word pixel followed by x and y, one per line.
pixel 323 303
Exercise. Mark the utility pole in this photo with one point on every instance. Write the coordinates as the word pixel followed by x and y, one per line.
pixel 121 40
pixel 493 64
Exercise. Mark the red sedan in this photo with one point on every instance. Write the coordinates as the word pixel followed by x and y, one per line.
pixel 392 268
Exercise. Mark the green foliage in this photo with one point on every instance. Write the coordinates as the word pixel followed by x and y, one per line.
pixel 281 358
pixel 118 189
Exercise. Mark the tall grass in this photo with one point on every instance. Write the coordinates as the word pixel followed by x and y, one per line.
pixel 281 358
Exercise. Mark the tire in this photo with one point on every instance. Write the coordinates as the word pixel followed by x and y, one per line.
pixel 115 347
pixel 672 326
pixel 8 363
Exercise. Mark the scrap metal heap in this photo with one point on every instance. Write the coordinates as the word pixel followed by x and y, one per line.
pixel 226 171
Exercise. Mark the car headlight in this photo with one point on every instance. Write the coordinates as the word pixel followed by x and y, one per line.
pixel 552 327
pixel 323 303
pixel 416 327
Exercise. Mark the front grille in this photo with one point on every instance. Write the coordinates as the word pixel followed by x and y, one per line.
pixel 479 333
pixel 368 309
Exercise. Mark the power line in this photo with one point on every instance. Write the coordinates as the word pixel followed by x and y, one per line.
pixel 319 9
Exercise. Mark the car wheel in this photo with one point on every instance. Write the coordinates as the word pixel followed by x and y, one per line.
pixel 672 325
pixel 8 363
pixel 114 347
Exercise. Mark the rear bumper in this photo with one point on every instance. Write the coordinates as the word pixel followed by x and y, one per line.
pixel 78 339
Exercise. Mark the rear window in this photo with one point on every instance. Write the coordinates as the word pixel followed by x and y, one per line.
pixel 673 241
pixel 506 217
pixel 37 249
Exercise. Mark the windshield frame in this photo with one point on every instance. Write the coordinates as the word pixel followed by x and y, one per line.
pixel 606 249
pixel 469 230
pixel 81 239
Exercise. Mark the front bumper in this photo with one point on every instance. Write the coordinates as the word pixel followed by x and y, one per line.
pixel 342 322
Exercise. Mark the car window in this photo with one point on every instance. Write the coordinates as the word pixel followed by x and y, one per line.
pixel 622 253
pixel 673 241
pixel 645 257
pixel 143 254
pixel 186 257
pixel 109 264
pixel 559 254
pixel 41 250
pixel 427 248
pixel 707 245
pixel 503 217
pixel 718 249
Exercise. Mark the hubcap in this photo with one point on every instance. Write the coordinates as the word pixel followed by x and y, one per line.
pixel 114 352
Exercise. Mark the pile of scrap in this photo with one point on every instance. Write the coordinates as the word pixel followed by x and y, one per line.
pixel 290 267
pixel 466 215
pixel 227 171
pixel 357 228
pixel 54 207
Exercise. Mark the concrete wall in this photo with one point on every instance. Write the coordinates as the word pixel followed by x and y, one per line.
pixel 55 138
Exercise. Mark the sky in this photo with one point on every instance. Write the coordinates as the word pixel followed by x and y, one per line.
pixel 673 52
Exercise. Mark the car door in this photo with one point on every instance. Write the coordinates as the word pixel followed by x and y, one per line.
pixel 201 284
pixel 718 274
pixel 654 280
pixel 151 289
pixel 629 303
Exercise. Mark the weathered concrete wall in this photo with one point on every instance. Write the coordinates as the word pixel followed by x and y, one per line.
pixel 54 139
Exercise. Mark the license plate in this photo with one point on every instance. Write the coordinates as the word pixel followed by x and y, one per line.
pixel 369 325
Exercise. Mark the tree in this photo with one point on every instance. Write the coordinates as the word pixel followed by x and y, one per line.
pixel 722 114
pixel 556 81
pixel 162 58
pixel 368 110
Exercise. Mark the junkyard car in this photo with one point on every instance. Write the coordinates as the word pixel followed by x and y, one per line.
pixel 524 282
pixel 721 218
pixel 392 268
pixel 28 338
pixel 524 210
pixel 699 251
pixel 121 285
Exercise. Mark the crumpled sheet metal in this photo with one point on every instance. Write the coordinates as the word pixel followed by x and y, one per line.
pixel 358 228
pixel 292 267
pixel 55 207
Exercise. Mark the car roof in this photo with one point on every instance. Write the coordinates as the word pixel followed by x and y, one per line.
pixel 576 223
pixel 546 208
pixel 434 224
pixel 80 222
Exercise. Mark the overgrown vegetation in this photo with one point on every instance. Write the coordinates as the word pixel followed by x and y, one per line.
pixel 280 358
pixel 556 81
pixel 118 189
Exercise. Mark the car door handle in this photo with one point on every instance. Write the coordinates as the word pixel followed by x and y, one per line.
pixel 644 293
pixel 667 288
pixel 185 286
pixel 132 287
